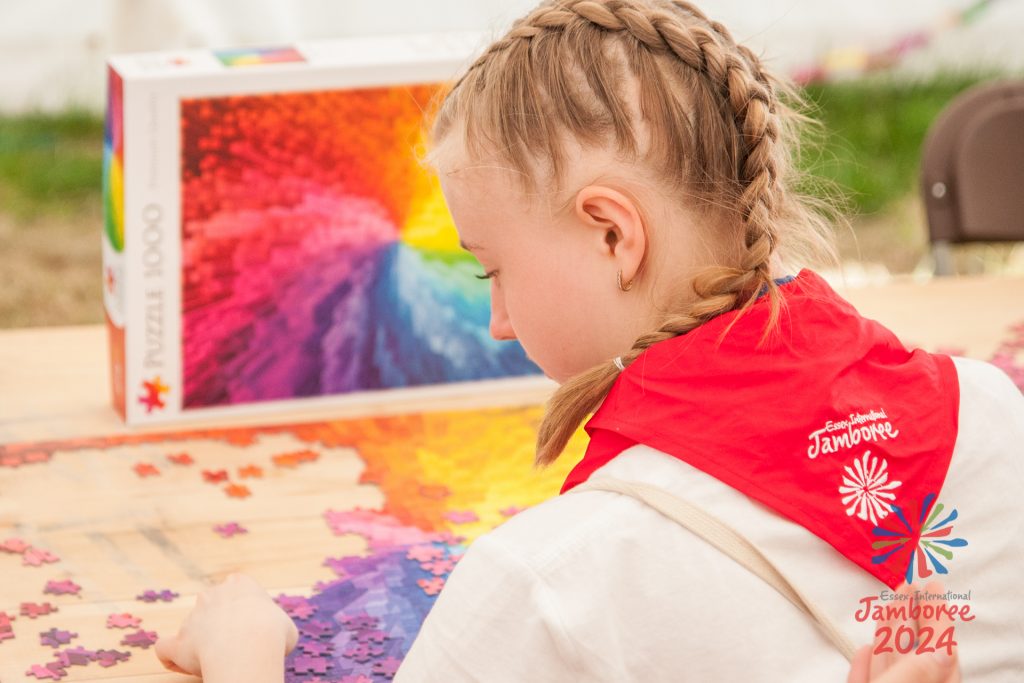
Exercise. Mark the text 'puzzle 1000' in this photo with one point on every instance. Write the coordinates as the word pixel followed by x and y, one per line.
pixel 271 236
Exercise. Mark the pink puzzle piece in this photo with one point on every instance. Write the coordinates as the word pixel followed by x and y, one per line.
pixel 362 652
pixel 431 586
pixel 6 630
pixel 296 607
pixel 34 557
pixel 14 545
pixel 387 668
pixel 108 658
pixel 438 567
pixel 425 553
pixel 65 587
pixel 315 648
pixel 461 516
pixel 123 620
pixel 304 664
pixel 33 610
pixel 51 671
pixel 316 629
pixel 230 529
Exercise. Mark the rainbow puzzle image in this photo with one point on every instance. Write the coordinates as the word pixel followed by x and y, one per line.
pixel 271 235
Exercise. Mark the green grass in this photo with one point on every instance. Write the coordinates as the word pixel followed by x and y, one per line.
pixel 50 165
pixel 873 133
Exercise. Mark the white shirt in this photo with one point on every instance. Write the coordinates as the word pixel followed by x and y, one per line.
pixel 596 586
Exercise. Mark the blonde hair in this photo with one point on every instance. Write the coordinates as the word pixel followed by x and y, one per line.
pixel 723 132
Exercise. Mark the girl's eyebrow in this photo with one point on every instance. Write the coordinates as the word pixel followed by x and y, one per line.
pixel 469 246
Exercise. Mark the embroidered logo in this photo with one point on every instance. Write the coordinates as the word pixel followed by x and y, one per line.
pixel 873 425
pixel 866 489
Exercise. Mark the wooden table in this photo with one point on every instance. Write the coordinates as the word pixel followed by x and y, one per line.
pixel 118 532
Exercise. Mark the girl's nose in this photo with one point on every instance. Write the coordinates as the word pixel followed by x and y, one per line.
pixel 501 328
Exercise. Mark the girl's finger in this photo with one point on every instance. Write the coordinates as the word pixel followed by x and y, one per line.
pixel 860 666
pixel 882 662
pixel 293 636
pixel 940 636
pixel 934 667
pixel 934 620
pixel 170 653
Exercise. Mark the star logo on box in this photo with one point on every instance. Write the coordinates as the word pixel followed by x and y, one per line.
pixel 153 394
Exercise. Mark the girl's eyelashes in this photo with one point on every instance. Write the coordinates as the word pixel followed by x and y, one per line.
pixel 488 275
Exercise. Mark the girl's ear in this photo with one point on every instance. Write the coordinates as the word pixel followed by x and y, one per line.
pixel 616 225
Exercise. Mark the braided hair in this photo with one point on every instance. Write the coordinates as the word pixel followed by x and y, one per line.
pixel 721 131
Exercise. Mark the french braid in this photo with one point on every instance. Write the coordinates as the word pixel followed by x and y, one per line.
pixel 741 168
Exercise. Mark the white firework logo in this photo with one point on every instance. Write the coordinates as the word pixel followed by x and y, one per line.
pixel 866 488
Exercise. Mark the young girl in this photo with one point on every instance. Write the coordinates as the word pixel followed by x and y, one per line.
pixel 765 467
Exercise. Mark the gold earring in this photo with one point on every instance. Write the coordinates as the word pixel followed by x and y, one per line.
pixel 618 280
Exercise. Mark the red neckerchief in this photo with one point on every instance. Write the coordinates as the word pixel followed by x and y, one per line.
pixel 804 425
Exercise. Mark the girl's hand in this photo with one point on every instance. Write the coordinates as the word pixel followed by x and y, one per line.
pixel 934 667
pixel 235 632
pixel 892 667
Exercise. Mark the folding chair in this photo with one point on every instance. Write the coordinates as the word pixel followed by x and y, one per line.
pixel 972 170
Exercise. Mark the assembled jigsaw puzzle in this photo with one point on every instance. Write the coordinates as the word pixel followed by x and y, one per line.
pixel 352 525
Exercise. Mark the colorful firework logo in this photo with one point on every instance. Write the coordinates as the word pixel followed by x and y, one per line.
pixel 933 538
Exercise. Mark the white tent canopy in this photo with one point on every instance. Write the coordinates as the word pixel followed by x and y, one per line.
pixel 53 51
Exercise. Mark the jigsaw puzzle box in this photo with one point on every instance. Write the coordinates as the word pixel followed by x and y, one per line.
pixel 271 239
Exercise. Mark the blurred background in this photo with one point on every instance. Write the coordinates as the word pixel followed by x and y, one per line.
pixel 877 73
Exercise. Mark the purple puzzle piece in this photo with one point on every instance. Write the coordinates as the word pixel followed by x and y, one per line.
pixel 317 629
pixel 56 638
pixel 371 635
pixel 108 658
pixel 140 638
pixel 164 595
pixel 360 622
pixel 75 656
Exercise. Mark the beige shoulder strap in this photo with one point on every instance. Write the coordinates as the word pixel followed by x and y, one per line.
pixel 727 540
